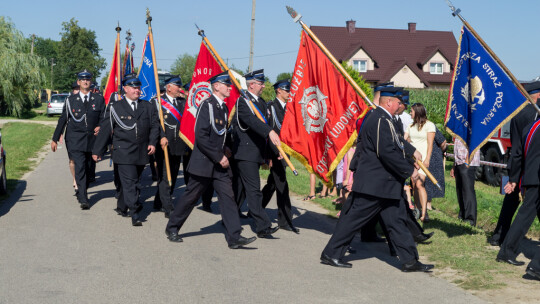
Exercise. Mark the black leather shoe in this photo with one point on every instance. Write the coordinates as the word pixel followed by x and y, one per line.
pixel 120 212
pixel 510 261
pixel 422 237
pixel 136 222
pixel 532 272
pixel 266 233
pixel 206 208
pixel 290 228
pixel 85 206
pixel 325 259
pixel 494 242
pixel 241 242
pixel 416 267
pixel 375 239
pixel 173 237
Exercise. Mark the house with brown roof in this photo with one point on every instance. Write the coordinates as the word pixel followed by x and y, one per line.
pixel 410 58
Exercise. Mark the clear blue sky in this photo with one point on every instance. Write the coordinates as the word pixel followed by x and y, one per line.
pixel 508 27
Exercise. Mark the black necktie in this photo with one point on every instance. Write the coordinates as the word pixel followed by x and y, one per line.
pixel 85 98
pixel 134 106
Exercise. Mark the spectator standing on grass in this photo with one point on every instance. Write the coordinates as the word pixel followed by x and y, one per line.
pixel 421 135
pixel 436 168
pixel 465 175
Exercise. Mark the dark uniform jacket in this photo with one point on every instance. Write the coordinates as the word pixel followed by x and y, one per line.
pixel 80 135
pixel 208 149
pixel 250 133
pixel 381 167
pixel 517 130
pixel 526 166
pixel 131 132
pixel 172 127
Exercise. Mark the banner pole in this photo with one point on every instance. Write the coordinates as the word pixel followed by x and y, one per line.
pixel 158 97
pixel 118 81
pixel 239 87
pixel 456 12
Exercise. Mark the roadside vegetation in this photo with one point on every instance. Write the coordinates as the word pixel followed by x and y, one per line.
pixel 22 142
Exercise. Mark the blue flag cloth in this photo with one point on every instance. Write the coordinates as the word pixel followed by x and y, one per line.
pixel 128 68
pixel 146 73
pixel 482 96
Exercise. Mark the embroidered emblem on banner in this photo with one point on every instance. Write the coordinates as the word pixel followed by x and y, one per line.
pixel 314 109
pixel 473 92
pixel 197 94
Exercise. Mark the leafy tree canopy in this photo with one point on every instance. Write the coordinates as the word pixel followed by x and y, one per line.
pixel 184 66
pixel 21 77
pixel 77 50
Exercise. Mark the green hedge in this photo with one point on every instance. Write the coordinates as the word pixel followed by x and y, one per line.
pixel 435 103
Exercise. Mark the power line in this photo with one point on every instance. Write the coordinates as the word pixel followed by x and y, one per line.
pixel 235 58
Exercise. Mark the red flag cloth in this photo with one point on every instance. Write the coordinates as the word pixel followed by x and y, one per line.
pixel 319 125
pixel 206 67
pixel 112 81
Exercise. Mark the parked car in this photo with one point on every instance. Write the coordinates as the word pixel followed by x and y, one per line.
pixel 56 104
pixel 3 178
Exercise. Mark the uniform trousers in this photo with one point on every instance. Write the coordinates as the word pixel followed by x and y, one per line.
pixel 523 221
pixel 364 208
pixel 82 162
pixel 277 182
pixel 163 197
pixel 195 188
pixel 128 200
pixel 209 193
pixel 466 195
pixel 509 206
pixel 249 182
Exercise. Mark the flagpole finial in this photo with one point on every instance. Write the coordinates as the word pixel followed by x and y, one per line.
pixel 455 12
pixel 148 17
pixel 128 36
pixel 293 14
pixel 200 32
pixel 118 28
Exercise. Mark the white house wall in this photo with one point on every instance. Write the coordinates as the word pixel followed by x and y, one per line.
pixel 406 78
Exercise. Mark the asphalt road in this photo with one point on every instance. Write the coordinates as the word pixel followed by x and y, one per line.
pixel 53 252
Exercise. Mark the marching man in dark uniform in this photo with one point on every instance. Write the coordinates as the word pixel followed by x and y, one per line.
pixel 173 107
pixel 250 148
pixel 209 164
pixel 277 180
pixel 511 200
pixel 80 117
pixel 381 170
pixel 133 125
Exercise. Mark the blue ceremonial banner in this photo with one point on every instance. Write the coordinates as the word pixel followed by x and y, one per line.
pixel 146 73
pixel 128 59
pixel 482 96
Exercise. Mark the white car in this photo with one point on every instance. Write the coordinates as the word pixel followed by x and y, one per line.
pixel 56 104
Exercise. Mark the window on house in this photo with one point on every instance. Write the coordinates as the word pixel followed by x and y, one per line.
pixel 436 68
pixel 360 65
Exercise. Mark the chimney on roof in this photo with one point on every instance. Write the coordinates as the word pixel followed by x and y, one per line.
pixel 412 27
pixel 351 26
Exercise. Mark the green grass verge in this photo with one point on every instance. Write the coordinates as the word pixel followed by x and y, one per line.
pixel 456 245
pixel 22 141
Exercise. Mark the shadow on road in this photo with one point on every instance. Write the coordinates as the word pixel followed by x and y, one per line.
pixel 15 196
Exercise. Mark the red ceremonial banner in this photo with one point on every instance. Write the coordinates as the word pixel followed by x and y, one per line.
pixel 112 81
pixel 200 89
pixel 319 126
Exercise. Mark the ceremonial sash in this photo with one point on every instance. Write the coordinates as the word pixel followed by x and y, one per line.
pixel 255 109
pixel 168 106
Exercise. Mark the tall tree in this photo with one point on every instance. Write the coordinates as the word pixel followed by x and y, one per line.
pixel 21 78
pixel 282 76
pixel 184 66
pixel 78 50
pixel 46 48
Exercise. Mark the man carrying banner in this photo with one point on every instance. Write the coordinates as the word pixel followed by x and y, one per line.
pixel 277 180
pixel 511 200
pixel 209 164
pixel 133 125
pixel 80 117
pixel 377 189
pixel 173 107
pixel 252 132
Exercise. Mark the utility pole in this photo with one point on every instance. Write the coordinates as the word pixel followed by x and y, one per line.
pixel 250 68
pixel 32 48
